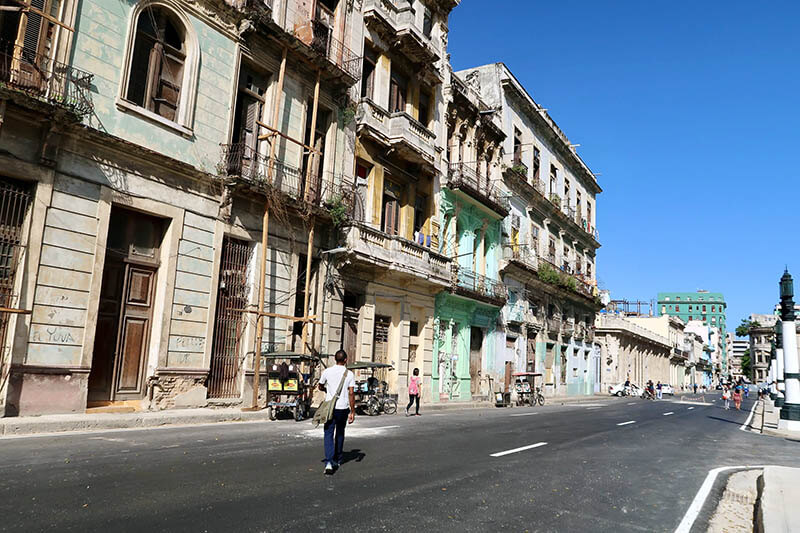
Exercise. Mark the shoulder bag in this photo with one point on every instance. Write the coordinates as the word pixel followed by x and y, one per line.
pixel 325 410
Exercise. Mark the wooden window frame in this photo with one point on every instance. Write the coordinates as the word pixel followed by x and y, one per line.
pixel 184 118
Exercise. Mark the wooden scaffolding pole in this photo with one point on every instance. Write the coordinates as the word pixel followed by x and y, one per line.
pixel 309 170
pixel 276 102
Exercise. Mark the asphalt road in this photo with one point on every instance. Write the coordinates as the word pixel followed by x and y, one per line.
pixel 434 472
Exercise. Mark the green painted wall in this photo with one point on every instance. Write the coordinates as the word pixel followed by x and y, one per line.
pixel 454 318
pixel 678 304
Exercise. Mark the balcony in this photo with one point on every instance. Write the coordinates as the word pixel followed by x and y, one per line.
pixel 241 163
pixel 463 177
pixel 41 83
pixel 312 36
pixel 397 20
pixel 409 137
pixel 522 256
pixel 374 248
pixel 257 10
pixel 518 175
pixel 473 285
pixel 569 328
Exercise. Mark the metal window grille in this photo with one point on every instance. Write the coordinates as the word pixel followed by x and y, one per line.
pixel 232 297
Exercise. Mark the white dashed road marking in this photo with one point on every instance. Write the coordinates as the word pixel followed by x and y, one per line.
pixel 626 423
pixel 631 403
pixel 525 414
pixel 515 450
pixel 669 413
pixel 691 408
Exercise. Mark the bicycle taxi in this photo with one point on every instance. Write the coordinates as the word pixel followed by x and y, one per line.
pixel 291 380
pixel 372 394
pixel 527 391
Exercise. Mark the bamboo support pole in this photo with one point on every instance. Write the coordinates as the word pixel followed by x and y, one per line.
pixel 312 160
pixel 276 101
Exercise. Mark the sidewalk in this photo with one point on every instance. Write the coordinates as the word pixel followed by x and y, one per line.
pixel 765 421
pixel 32 425
pixel 779 492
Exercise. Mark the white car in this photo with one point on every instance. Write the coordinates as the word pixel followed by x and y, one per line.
pixel 667 389
pixel 619 390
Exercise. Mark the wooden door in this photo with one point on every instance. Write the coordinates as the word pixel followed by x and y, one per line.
pixel 134 332
pixel 380 344
pixel 350 334
pixel 531 357
pixel 475 345
pixel 101 377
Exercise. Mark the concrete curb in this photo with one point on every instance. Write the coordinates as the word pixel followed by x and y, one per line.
pixel 779 491
pixel 108 421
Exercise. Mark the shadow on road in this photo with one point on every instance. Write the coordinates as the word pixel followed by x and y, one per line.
pixel 353 455
pixel 726 420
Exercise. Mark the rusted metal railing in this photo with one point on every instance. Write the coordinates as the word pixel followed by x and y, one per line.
pixel 46 80
pixel 465 176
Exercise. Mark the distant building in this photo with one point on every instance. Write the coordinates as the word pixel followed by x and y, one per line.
pixel 707 307
pixel 762 333
pixel 736 351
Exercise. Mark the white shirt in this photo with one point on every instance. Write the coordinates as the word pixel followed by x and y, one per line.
pixel 331 377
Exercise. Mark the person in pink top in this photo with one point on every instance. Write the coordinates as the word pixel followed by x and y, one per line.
pixel 414 388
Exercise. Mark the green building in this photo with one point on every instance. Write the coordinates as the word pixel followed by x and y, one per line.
pixel 710 307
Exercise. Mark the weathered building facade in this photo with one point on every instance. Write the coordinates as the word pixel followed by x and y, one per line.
pixel 550 240
pixel 470 359
pixel 393 266
pixel 146 165
pixel 632 352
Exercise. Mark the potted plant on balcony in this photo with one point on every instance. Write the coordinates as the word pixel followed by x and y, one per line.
pixel 520 169
pixel 338 209
pixel 556 199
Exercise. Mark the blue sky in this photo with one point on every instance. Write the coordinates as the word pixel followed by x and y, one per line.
pixel 688 110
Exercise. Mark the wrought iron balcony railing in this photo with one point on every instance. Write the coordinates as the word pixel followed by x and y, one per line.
pixel 45 80
pixel 242 161
pixel 471 283
pixel 465 177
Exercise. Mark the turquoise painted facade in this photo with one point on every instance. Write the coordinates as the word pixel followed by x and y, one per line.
pixel 465 336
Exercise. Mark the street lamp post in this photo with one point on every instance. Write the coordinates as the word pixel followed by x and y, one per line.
pixel 781 399
pixel 790 412
pixel 771 376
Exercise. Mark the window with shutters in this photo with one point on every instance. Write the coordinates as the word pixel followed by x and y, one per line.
pixel 368 74
pixel 517 146
pixel 390 222
pixel 536 162
pixel 161 66
pixel 425 115
pixel 249 106
pixel 398 91
pixel 32 46
pixel 427 22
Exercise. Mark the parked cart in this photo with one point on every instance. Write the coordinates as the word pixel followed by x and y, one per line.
pixel 527 391
pixel 371 394
pixel 291 380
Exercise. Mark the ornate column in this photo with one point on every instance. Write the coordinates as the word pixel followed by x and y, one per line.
pixel 790 412
pixel 781 397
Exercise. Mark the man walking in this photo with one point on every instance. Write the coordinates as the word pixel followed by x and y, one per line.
pixel 333 379
pixel 658 391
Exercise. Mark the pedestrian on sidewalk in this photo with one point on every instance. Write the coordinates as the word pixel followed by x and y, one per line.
pixel 726 397
pixel 695 388
pixel 746 391
pixel 414 388
pixel 658 391
pixel 333 379
pixel 737 398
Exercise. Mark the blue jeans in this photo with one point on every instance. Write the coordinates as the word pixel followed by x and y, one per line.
pixel 333 454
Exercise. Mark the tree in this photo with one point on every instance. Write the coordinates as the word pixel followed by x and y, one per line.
pixel 743 329
pixel 746 363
